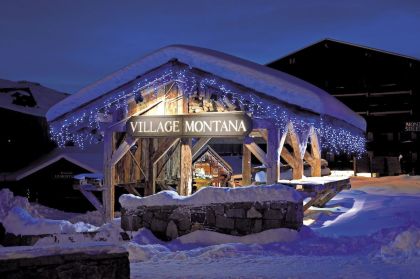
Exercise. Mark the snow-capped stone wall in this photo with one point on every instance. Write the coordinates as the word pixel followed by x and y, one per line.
pixel 92 261
pixel 237 218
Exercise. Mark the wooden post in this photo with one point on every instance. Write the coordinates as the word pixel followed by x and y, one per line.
pixel 246 166
pixel 147 153
pixel 108 195
pixel 314 158
pixel 273 156
pixel 294 159
pixel 185 183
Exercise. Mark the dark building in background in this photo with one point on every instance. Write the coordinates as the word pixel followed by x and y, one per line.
pixel 30 164
pixel 24 136
pixel 381 86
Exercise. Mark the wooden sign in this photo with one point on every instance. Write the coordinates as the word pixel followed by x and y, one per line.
pixel 213 124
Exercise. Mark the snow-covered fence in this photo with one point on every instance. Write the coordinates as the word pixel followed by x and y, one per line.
pixel 239 211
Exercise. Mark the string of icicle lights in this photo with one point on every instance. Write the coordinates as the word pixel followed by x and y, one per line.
pixel 86 123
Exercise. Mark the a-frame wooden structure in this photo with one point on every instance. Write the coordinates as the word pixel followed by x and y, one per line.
pixel 152 155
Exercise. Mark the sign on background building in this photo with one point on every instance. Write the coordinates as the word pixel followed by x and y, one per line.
pixel 231 124
pixel 412 126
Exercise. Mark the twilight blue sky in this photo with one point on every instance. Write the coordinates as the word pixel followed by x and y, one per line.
pixel 68 44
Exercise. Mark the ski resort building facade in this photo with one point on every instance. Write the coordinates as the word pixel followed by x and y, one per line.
pixel 381 86
pixel 157 118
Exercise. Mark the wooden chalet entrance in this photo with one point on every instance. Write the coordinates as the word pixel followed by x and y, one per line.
pixel 287 115
pixel 167 162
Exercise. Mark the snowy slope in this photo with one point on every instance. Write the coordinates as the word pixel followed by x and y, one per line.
pixel 258 77
pixel 28 97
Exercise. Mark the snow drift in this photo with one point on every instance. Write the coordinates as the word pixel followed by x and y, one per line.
pixel 20 218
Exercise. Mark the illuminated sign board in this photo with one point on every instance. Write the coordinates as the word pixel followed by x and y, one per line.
pixel 215 124
pixel 412 126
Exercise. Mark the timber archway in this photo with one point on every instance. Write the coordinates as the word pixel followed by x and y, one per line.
pixel 184 84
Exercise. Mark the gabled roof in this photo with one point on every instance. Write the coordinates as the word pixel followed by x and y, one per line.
pixel 28 97
pixel 329 40
pixel 213 153
pixel 90 159
pixel 260 78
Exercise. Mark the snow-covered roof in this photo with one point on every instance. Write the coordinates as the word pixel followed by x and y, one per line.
pixel 28 97
pixel 90 159
pixel 260 78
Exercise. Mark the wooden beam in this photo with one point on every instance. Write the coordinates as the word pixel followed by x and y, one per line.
pixel 159 154
pixel 185 181
pixel 131 189
pixel 246 166
pixel 137 163
pixel 147 163
pixel 257 151
pixel 198 146
pixel 314 158
pixel 122 149
pixel 108 195
pixel 185 184
pixel 294 159
pixel 120 125
pixel 288 157
pixel 91 198
pixel 273 156
pixel 163 147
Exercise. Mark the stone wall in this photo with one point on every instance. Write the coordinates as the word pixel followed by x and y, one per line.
pixel 169 222
pixel 74 265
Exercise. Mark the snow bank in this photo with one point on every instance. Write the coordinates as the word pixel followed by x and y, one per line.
pixel 378 203
pixel 20 218
pixel 109 233
pixel 208 195
pixel 405 245
pixel 8 201
pixel 213 238
pixel 19 222
pixel 205 244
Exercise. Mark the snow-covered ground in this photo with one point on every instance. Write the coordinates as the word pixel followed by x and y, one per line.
pixel 371 231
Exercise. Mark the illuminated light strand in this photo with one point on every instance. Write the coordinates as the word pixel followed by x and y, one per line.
pixel 332 138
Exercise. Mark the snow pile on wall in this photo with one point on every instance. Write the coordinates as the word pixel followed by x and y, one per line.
pixel 209 195
pixel 19 218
